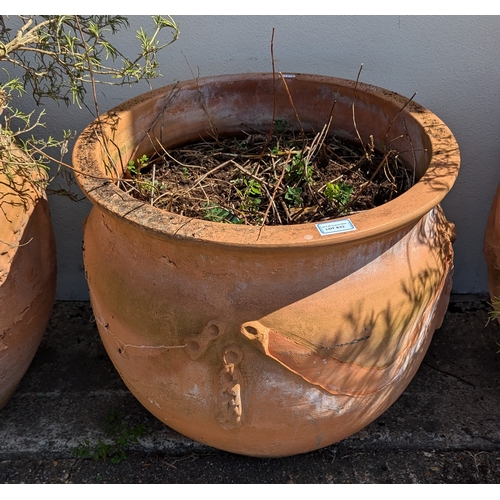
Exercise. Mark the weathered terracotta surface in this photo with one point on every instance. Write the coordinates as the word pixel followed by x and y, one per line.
pixel 492 246
pixel 277 340
pixel 27 278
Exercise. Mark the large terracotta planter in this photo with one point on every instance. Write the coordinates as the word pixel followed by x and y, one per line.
pixel 492 247
pixel 273 341
pixel 27 275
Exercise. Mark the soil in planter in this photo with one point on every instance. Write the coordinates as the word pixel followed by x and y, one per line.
pixel 278 178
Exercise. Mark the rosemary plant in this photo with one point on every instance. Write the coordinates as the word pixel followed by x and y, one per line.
pixel 62 58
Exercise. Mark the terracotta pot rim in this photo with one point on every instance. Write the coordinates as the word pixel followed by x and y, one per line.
pixel 397 214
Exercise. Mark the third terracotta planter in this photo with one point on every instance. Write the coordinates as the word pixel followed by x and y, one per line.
pixel 492 247
pixel 273 341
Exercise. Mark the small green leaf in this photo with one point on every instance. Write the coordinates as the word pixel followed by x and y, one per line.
pixel 293 196
pixel 340 192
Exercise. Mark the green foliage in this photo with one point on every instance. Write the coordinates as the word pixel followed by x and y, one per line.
pixel 339 193
pixel 120 436
pixel 149 188
pixel 254 189
pixel 252 195
pixel 293 196
pixel 134 167
pixel 146 185
pixel 59 55
pixel 298 169
pixel 216 213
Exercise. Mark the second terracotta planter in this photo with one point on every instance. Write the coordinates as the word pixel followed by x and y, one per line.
pixel 277 340
pixel 27 271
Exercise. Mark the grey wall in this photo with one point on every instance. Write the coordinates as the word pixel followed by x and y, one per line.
pixel 451 62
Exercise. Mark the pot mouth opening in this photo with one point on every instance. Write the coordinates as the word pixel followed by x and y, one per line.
pixel 182 113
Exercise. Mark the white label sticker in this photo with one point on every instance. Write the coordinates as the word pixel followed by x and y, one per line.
pixel 335 226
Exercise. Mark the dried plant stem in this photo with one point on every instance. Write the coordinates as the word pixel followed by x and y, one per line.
pixel 271 127
pixel 358 194
pixel 153 184
pixel 276 187
pixel 297 117
pixel 204 176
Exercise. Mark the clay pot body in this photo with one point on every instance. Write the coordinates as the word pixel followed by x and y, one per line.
pixel 27 276
pixel 277 340
pixel 492 247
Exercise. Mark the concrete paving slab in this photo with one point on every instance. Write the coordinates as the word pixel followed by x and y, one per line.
pixel 444 428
